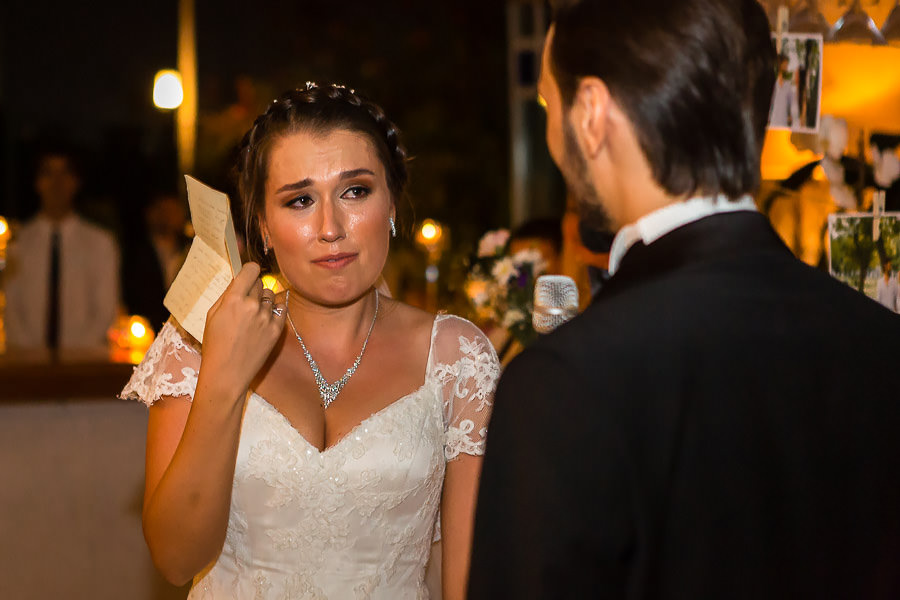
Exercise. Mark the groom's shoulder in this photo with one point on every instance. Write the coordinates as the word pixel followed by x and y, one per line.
pixel 602 326
pixel 581 348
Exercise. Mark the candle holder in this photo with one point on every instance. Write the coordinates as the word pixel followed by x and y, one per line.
pixel 129 339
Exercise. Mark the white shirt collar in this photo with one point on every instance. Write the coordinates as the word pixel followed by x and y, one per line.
pixel 658 223
pixel 64 225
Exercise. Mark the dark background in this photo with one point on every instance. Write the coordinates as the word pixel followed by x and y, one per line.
pixel 83 73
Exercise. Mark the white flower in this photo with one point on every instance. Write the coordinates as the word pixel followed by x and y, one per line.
pixel 504 270
pixel 512 316
pixel 492 242
pixel 477 290
pixel 533 257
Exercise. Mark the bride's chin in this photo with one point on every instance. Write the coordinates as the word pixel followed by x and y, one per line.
pixel 332 298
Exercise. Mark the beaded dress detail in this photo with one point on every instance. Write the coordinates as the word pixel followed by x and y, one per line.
pixel 357 519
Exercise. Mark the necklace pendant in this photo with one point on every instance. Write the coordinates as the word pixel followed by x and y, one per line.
pixel 329 393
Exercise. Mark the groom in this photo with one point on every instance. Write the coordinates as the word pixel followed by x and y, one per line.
pixel 722 421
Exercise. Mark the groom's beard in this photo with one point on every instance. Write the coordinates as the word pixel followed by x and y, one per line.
pixel 575 172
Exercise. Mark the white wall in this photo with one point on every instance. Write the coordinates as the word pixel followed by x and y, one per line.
pixel 71 482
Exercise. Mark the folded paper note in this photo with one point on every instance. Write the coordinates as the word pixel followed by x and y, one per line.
pixel 212 262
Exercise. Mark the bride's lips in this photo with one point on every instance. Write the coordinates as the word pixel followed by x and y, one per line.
pixel 335 261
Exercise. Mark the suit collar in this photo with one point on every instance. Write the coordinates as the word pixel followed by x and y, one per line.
pixel 658 223
pixel 713 237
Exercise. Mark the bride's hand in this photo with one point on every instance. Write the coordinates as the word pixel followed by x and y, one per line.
pixel 242 327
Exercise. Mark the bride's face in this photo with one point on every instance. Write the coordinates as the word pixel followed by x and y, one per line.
pixel 326 214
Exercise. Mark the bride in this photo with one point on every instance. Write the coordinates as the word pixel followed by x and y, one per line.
pixel 329 434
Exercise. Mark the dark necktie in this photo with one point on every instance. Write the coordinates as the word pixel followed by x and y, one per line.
pixel 53 304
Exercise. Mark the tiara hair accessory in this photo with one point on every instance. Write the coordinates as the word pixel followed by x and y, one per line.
pixel 311 85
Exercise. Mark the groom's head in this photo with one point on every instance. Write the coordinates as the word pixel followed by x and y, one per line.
pixel 651 101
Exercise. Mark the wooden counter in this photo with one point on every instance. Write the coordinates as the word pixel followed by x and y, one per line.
pixel 71 483
pixel 36 380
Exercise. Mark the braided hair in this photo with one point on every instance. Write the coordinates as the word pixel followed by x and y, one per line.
pixel 317 109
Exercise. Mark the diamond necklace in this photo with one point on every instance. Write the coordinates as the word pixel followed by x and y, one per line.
pixel 329 391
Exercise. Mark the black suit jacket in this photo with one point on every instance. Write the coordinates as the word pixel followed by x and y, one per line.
pixel 723 422
pixel 143 280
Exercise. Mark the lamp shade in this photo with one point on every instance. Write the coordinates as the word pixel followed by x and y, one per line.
pixel 808 19
pixel 856 26
pixel 891 28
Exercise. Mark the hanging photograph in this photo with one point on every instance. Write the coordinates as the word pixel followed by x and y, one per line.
pixel 864 253
pixel 798 84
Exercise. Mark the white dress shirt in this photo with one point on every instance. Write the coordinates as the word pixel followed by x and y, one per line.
pixel 88 285
pixel 658 223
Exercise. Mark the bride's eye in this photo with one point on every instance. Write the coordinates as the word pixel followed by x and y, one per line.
pixel 356 191
pixel 300 202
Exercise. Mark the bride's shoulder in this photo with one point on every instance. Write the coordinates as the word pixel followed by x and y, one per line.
pixel 407 318
pixel 456 337
pixel 440 325
pixel 172 337
pixel 169 367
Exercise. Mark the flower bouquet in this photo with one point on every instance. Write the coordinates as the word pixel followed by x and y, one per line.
pixel 500 286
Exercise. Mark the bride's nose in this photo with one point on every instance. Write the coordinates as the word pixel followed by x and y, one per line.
pixel 331 222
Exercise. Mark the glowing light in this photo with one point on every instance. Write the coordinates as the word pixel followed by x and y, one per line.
pixel 541 101
pixel 168 92
pixel 4 227
pixel 138 330
pixel 780 157
pixel 862 85
pixel 129 339
pixel 270 282
pixel 138 335
pixel 432 237
pixel 476 289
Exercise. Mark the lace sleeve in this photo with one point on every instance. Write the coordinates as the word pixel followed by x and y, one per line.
pixel 169 368
pixel 464 362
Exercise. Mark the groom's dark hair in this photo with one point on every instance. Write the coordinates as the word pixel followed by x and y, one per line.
pixel 694 77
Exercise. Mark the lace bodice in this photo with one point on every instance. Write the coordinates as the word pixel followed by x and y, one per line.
pixel 357 519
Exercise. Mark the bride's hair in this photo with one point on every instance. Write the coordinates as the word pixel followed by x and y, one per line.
pixel 317 109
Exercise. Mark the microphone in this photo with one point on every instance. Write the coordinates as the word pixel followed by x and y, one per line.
pixel 555 302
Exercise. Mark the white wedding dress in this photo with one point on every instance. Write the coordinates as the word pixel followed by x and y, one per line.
pixel 356 520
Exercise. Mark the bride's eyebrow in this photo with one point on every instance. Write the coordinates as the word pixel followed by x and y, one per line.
pixel 354 173
pixel 297 185
pixel 303 183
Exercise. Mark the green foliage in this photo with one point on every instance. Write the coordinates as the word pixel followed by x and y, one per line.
pixel 854 251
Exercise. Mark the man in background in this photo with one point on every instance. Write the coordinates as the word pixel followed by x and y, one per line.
pixel 152 257
pixel 717 424
pixel 62 282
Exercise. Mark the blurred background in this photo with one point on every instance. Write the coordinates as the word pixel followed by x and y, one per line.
pixel 458 78
pixel 84 76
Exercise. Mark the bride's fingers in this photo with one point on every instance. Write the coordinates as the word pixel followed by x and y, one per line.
pixel 266 299
pixel 257 290
pixel 247 280
pixel 279 313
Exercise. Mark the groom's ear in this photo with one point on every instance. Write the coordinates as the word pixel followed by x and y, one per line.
pixel 589 115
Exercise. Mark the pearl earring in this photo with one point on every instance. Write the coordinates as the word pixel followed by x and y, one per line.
pixel 393 227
